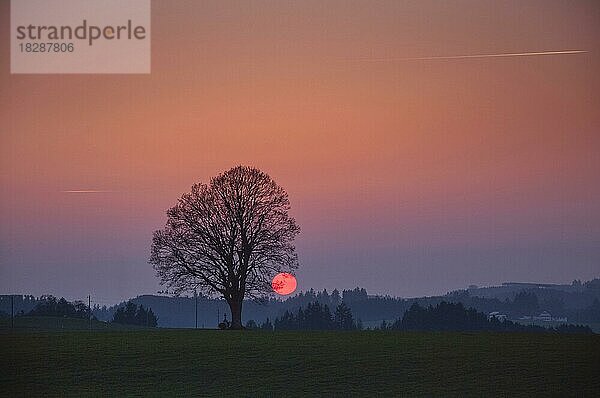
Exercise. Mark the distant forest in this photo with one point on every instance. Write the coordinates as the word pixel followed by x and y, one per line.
pixel 48 305
pixel 579 302
pixel 443 316
pixel 455 317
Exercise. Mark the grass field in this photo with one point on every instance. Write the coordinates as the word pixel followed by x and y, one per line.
pixel 227 363
pixel 51 323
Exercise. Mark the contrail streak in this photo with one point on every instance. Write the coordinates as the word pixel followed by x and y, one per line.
pixel 500 55
pixel 86 191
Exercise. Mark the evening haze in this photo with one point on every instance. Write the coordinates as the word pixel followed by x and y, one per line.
pixel 411 168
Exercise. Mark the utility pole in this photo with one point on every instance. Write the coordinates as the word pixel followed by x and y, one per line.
pixel 12 311
pixel 90 310
pixel 196 300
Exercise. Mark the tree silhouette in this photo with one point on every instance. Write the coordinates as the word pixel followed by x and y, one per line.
pixel 316 316
pixel 343 317
pixel 132 314
pixel 51 306
pixel 229 237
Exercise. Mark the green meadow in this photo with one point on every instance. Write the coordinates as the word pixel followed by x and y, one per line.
pixel 167 362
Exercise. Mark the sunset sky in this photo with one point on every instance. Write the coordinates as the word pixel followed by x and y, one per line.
pixel 407 176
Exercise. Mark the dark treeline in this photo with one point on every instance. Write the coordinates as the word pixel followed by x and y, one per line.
pixel 455 317
pixel 51 306
pixel 132 314
pixel 315 316
pixel 579 302
pixel 443 316
pixel 180 311
pixel 48 305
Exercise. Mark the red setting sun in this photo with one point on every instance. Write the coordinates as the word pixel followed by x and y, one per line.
pixel 284 283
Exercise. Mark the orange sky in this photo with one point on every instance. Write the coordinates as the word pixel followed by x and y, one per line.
pixel 407 177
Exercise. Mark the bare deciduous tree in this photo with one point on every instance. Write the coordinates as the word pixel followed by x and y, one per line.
pixel 229 238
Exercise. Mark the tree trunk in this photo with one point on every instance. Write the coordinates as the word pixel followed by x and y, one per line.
pixel 235 305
